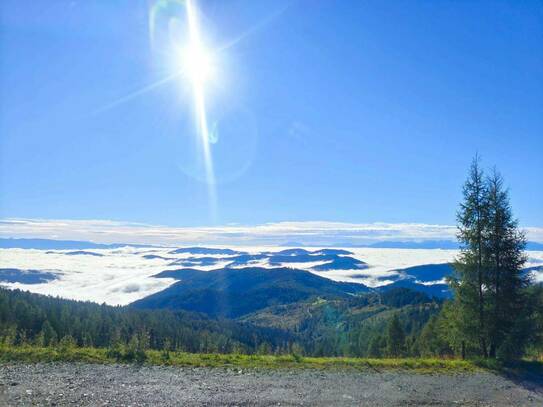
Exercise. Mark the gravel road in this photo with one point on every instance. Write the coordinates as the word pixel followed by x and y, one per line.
pixel 113 385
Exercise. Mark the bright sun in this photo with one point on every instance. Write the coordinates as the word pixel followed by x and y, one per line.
pixel 197 62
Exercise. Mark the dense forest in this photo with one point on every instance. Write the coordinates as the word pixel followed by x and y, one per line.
pixel 40 320
pixel 334 327
pixel 496 310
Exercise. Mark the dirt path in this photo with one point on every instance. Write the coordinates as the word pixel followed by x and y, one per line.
pixel 100 385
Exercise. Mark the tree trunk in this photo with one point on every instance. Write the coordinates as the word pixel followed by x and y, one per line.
pixel 482 338
pixel 492 351
pixel 497 302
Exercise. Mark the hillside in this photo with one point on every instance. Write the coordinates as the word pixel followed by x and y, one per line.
pixel 235 292
pixel 40 320
pixel 346 326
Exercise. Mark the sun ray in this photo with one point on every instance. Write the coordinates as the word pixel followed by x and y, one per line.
pixel 196 67
pixel 137 93
pixel 255 28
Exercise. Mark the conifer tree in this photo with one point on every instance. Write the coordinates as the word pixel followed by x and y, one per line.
pixel 504 255
pixel 395 338
pixel 469 282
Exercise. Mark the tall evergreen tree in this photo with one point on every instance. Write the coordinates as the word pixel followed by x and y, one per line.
pixel 504 256
pixel 469 281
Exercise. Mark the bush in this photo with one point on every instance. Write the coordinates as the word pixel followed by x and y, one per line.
pixel 116 352
pixel 66 343
pixel 135 351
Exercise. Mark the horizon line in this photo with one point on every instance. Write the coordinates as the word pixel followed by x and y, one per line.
pixel 315 233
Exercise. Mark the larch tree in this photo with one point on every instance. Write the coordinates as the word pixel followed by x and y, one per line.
pixel 505 258
pixel 468 283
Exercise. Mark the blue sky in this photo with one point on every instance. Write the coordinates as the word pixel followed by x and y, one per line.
pixel 341 111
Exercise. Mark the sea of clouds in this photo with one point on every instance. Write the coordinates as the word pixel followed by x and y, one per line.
pixel 123 275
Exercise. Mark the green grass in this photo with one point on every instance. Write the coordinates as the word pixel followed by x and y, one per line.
pixel 95 355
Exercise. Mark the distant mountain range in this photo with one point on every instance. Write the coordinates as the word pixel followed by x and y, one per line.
pixel 51 244
pixel 205 250
pixel 426 244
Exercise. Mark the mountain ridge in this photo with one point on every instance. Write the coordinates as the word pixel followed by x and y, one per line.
pixel 234 292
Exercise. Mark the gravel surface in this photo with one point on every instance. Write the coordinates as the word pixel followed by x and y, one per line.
pixel 113 385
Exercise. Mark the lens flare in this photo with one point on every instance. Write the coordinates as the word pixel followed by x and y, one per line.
pixel 175 34
pixel 199 70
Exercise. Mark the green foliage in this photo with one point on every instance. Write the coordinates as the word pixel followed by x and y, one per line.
pixel 395 338
pixel 297 357
pixel 116 352
pixel 491 314
pixel 39 320
pixel 166 348
pixel 67 342
pixel 431 341
pixel 469 282
pixel 535 300
pixel 400 297
pixel 376 346
pixel 135 350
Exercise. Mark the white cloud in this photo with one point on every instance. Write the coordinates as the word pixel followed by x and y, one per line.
pixel 118 277
pixel 311 232
pixel 121 276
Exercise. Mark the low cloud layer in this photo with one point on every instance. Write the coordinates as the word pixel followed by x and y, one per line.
pixel 312 233
pixel 123 275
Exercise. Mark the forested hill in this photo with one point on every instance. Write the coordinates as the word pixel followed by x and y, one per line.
pixel 232 293
pixel 44 321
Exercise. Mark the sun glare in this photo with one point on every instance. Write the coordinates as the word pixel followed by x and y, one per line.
pixel 199 69
pixel 197 63
pixel 192 60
